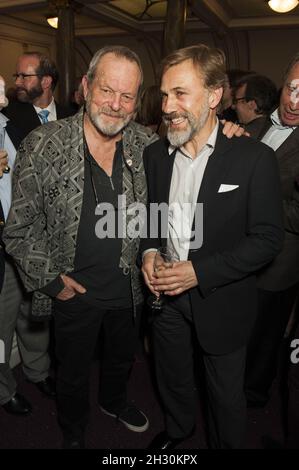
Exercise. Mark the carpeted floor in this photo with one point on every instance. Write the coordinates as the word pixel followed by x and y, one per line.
pixel 40 430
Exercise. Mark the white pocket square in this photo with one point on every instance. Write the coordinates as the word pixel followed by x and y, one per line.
pixel 224 188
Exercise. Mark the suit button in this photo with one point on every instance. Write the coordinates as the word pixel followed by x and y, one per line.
pixel 2 222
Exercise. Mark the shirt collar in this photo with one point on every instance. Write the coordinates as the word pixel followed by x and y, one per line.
pixel 211 142
pixel 50 107
pixel 3 120
pixel 275 119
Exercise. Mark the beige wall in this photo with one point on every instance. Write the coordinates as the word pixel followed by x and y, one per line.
pixel 265 51
pixel 17 37
pixel 270 51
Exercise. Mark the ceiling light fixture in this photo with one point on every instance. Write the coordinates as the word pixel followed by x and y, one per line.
pixel 53 21
pixel 283 6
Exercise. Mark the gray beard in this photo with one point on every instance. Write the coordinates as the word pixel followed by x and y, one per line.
pixel 179 138
pixel 110 130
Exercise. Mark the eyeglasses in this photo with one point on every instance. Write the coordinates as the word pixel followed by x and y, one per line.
pixel 22 76
pixel 235 100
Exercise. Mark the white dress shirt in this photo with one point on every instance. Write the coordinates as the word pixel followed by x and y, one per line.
pixel 5 181
pixel 52 111
pixel 186 180
pixel 278 132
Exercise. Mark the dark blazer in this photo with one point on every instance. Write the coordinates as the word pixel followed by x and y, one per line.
pixel 283 272
pixel 25 118
pixel 255 127
pixel 242 231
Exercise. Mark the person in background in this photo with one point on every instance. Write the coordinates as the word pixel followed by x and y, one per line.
pixel 254 97
pixel 225 109
pixel 77 99
pixel 278 282
pixel 33 339
pixel 149 110
pixel 35 79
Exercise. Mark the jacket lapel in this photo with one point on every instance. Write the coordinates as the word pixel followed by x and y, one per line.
pixel 217 167
pixel 289 146
pixel 264 129
pixel 166 169
pixel 13 134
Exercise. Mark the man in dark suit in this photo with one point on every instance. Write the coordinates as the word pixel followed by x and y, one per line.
pixel 36 78
pixel 279 282
pixel 212 289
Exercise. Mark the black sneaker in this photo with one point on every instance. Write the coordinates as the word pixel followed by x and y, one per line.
pixel 131 417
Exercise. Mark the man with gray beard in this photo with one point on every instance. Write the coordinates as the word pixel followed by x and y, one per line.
pixel 210 294
pixel 64 173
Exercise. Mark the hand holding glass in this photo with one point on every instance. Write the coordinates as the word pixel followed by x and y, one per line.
pixel 164 259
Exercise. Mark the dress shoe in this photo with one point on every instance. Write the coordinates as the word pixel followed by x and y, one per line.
pixel 17 405
pixel 163 442
pixel 47 387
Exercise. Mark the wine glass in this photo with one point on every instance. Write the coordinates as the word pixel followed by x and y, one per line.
pixel 164 259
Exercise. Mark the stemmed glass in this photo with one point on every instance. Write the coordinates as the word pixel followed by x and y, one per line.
pixel 164 259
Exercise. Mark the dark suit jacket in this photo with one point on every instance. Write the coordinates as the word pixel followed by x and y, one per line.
pixel 283 272
pixel 255 127
pixel 242 231
pixel 25 118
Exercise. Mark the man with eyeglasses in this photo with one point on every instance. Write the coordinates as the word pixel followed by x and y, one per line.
pixel 279 282
pixel 254 98
pixel 35 80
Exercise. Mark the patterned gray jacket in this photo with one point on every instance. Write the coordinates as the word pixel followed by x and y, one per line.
pixel 42 226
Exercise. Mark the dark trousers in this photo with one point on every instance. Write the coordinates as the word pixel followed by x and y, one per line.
pixel 274 310
pixel 292 438
pixel 172 340
pixel 77 327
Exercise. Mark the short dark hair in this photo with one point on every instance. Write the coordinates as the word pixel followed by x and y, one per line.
pixel 47 67
pixel 236 75
pixel 209 61
pixel 262 90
